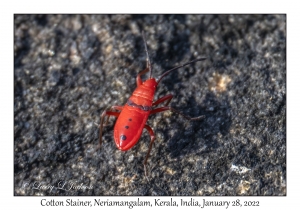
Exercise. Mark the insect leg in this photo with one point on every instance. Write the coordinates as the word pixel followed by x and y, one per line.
pixel 166 108
pixel 162 99
pixel 103 115
pixel 152 136
pixel 119 108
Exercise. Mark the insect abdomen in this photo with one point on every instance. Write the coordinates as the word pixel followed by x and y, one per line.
pixel 129 127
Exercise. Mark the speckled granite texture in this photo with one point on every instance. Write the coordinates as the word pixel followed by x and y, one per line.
pixel 69 68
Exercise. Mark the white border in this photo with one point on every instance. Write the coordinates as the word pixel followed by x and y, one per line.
pixel 152 6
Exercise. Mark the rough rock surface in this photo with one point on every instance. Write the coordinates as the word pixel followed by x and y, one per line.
pixel 69 68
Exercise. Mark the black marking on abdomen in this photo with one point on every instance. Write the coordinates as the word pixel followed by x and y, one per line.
pixel 126 126
pixel 123 137
pixel 144 108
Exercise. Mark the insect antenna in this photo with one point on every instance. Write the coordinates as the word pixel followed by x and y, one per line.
pixel 177 67
pixel 148 59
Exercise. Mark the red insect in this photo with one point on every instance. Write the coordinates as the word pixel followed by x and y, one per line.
pixel 132 117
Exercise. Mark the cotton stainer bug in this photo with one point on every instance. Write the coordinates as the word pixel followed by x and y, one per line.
pixel 132 117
